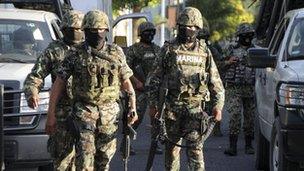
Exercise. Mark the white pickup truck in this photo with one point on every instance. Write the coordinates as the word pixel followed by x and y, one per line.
pixel 25 140
pixel 279 92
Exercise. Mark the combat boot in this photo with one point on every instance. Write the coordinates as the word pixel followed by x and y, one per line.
pixel 248 146
pixel 232 150
pixel 217 130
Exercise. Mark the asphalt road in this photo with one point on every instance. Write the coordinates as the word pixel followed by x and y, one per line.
pixel 215 160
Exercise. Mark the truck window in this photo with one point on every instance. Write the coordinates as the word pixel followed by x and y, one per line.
pixel 23 37
pixel 278 37
pixel 296 41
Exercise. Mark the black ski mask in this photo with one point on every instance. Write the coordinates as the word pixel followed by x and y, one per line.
pixel 186 35
pixel 73 36
pixel 95 39
pixel 245 39
pixel 147 36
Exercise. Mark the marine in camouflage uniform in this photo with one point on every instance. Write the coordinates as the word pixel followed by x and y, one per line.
pixel 140 57
pixel 187 68
pixel 99 71
pixel 239 80
pixel 60 144
pixel 204 34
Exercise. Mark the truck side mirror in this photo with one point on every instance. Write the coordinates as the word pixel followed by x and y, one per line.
pixel 260 58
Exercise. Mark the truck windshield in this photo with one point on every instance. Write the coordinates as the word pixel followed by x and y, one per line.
pixel 22 41
pixel 296 41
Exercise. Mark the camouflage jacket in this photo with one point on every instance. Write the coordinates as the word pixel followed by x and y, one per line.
pixel 140 57
pixel 47 63
pixel 97 75
pixel 238 73
pixel 190 75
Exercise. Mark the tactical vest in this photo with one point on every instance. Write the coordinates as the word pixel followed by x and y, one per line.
pixel 145 57
pixel 96 80
pixel 239 73
pixel 186 71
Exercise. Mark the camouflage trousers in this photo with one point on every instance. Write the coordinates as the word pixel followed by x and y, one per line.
pixel 97 144
pixel 238 105
pixel 60 144
pixel 141 107
pixel 176 126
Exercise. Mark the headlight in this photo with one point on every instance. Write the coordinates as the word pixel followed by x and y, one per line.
pixel 43 105
pixel 291 95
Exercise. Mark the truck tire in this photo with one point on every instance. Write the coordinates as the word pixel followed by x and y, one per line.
pixel 278 161
pixel 262 152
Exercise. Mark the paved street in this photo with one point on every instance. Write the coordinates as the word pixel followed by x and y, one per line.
pixel 214 157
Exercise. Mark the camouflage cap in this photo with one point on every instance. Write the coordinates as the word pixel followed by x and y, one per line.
pixel 96 19
pixel 72 19
pixel 190 17
pixel 145 26
pixel 244 28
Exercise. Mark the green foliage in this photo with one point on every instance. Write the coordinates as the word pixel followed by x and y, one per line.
pixel 223 15
pixel 122 4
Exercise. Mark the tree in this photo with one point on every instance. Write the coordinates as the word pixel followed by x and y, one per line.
pixel 223 15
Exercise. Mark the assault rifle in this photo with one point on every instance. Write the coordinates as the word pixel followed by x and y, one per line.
pixel 159 127
pixel 127 131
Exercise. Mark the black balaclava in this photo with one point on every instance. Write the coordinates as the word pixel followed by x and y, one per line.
pixel 72 36
pixel 245 39
pixel 95 39
pixel 186 35
pixel 147 36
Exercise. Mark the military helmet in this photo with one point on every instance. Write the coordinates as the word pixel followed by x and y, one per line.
pixel 244 28
pixel 190 17
pixel 72 19
pixel 96 19
pixel 144 27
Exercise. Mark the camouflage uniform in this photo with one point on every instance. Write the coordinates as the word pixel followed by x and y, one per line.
pixel 190 75
pixel 96 85
pixel 139 58
pixel 60 144
pixel 239 80
pixel 216 52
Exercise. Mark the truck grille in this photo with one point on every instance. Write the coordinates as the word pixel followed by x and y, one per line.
pixel 11 105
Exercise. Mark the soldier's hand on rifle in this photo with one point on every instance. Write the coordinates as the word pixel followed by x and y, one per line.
pixel 132 117
pixel 33 101
pixel 50 126
pixel 233 60
pixel 217 114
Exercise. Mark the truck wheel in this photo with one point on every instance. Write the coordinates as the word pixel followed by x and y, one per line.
pixel 278 161
pixel 262 152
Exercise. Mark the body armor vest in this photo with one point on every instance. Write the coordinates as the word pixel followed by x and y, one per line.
pixel 145 57
pixel 97 76
pixel 187 77
pixel 239 73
